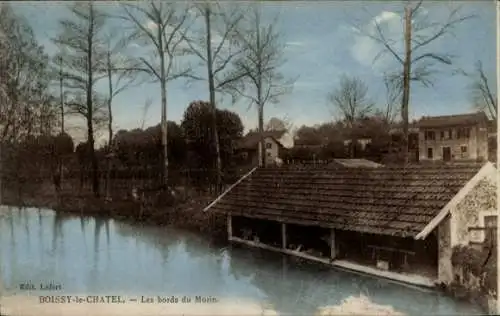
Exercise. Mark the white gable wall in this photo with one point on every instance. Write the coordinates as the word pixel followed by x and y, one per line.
pixel 476 200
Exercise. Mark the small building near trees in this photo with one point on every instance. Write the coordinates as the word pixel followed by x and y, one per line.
pixel 396 222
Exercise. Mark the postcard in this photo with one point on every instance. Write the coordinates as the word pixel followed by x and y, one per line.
pixel 248 158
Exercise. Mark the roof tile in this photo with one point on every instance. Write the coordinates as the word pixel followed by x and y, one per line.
pixel 387 200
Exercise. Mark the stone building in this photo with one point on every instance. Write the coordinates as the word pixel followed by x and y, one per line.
pixel 453 137
pixel 276 142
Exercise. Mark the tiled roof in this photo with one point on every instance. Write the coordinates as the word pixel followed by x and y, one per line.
pixel 453 120
pixel 251 140
pixel 398 201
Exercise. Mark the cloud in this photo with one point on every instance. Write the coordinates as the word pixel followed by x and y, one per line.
pixel 295 43
pixel 151 25
pixel 364 49
pixel 216 39
pixel 309 85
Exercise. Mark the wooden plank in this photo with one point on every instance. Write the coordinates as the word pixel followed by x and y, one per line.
pixel 333 249
pixel 229 226
pixel 353 267
pixel 228 190
pixel 285 251
pixel 283 236
pixel 391 249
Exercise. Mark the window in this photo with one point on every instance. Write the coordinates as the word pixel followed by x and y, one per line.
pixel 430 135
pixel 429 153
pixel 463 133
pixel 269 154
pixel 269 145
pixel 446 134
pixel 463 151
pixel 490 223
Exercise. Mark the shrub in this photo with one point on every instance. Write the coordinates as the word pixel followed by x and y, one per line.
pixel 480 263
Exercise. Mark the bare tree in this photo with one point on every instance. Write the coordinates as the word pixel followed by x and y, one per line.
pixel 351 101
pixel 259 66
pixel 120 74
pixel 160 25
pixel 145 109
pixel 483 96
pixel 24 82
pixel 417 62
pixel 393 95
pixel 215 48
pixel 81 38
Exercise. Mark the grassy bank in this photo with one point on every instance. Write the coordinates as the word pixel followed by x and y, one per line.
pixel 182 212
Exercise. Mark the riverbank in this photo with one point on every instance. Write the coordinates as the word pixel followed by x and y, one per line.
pixel 184 213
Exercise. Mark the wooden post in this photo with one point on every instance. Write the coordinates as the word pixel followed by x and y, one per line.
pixel 333 249
pixel 283 235
pixel 229 226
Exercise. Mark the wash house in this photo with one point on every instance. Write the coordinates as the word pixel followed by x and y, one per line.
pixel 395 222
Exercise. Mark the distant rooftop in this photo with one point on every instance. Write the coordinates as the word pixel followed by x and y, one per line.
pixel 252 139
pixel 357 163
pixel 453 120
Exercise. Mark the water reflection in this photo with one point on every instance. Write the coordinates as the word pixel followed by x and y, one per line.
pixel 99 255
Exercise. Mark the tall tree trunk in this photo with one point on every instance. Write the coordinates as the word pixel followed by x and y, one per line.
pixel 260 105
pixel 110 126
pixel 163 84
pixel 90 110
pixel 213 106
pixel 262 147
pixel 406 83
pixel 1 171
pixel 61 96
pixel 61 91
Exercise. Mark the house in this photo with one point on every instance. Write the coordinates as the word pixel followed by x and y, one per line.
pixel 454 137
pixel 396 133
pixel 276 142
pixel 400 223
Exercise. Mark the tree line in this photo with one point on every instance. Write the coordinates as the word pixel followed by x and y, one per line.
pixel 240 53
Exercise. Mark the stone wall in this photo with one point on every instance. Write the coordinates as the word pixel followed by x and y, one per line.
pixel 445 269
pixel 454 230
pixel 479 202
pixel 473 265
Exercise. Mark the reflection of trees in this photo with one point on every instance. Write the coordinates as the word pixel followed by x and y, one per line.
pixel 99 223
pixel 97 232
pixel 160 238
pixel 201 247
pixel 26 217
pixel 40 232
pixel 56 230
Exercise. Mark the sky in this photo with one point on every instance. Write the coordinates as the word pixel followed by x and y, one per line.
pixel 321 43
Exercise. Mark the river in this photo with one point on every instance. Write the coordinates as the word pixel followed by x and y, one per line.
pixel 99 256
